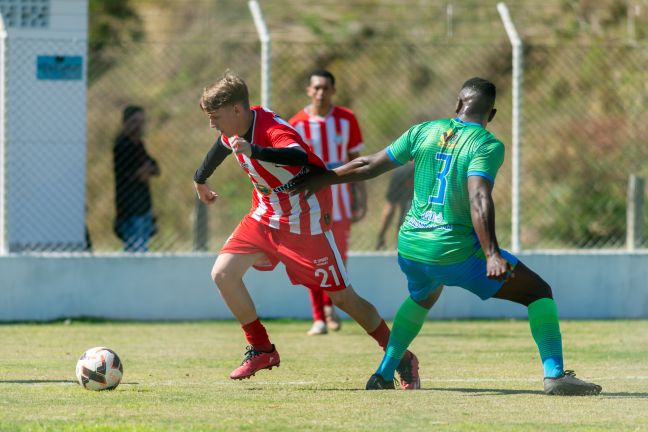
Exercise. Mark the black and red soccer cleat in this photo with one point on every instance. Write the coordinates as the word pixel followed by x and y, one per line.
pixel 408 371
pixel 254 361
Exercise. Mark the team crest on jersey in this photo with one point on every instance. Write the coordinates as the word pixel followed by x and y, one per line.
pixel 246 166
pixel 327 218
pixel 263 189
pixel 448 139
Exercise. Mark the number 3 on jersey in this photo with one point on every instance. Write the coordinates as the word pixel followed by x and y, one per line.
pixel 325 275
pixel 439 198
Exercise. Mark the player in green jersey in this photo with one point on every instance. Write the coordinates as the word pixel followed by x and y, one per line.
pixel 448 236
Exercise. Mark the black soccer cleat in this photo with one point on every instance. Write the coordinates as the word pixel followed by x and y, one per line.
pixel 568 385
pixel 377 382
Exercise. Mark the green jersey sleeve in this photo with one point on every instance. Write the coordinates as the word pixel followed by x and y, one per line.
pixel 487 160
pixel 400 151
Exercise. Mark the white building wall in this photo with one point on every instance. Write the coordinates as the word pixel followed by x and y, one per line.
pixel 179 287
pixel 44 137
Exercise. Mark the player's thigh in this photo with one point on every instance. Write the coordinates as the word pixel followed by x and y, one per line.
pixel 421 284
pixel 341 231
pixel 312 260
pixel 232 266
pixel 524 287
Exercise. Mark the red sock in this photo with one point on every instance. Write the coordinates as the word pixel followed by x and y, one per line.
pixel 317 304
pixel 257 336
pixel 381 334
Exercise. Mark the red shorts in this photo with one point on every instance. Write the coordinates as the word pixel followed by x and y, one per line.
pixel 311 260
pixel 341 231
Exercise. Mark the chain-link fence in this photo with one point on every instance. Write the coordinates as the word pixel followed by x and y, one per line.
pixel 582 134
pixel 582 130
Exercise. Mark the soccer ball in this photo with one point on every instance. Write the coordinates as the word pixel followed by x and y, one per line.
pixel 99 368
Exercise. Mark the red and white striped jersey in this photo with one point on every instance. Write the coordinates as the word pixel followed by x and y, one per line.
pixel 272 203
pixel 332 138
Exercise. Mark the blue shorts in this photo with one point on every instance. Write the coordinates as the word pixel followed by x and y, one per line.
pixel 423 279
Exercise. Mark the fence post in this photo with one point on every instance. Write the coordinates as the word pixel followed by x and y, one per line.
pixel 4 247
pixel 201 228
pixel 516 44
pixel 634 212
pixel 449 20
pixel 266 59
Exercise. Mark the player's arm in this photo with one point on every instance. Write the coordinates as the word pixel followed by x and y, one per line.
pixel 385 221
pixel 359 169
pixel 215 156
pixel 359 195
pixel 290 155
pixel 482 214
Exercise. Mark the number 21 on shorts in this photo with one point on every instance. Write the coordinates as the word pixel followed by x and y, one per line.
pixel 439 198
pixel 320 272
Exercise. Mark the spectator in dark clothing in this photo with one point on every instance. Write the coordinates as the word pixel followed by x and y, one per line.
pixel 134 222
pixel 399 194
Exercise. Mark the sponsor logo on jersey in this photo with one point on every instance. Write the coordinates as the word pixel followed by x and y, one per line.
pixel 321 261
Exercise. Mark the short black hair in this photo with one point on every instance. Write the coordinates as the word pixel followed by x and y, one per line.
pixel 479 95
pixel 131 110
pixel 322 73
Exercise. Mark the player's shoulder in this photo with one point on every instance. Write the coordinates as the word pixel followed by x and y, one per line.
pixel 425 128
pixel 344 112
pixel 486 137
pixel 300 116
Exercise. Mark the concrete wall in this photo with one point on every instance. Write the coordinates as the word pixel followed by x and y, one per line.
pixel 174 287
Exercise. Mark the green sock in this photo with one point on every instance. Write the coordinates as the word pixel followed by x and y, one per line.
pixel 545 328
pixel 407 324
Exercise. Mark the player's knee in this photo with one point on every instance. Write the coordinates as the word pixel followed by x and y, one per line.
pixel 342 298
pixel 220 276
pixel 541 290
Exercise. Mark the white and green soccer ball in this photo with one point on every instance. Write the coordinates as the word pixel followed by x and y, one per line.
pixel 99 368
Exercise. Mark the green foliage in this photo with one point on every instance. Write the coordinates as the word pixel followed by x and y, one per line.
pixel 113 23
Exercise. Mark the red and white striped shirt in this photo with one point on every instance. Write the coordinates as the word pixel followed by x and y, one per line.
pixel 272 203
pixel 332 138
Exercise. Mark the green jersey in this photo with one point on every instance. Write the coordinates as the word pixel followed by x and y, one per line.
pixel 438 228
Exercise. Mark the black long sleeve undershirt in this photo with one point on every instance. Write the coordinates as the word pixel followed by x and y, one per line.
pixel 215 156
pixel 294 156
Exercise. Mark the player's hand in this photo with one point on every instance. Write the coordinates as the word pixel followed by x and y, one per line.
pixel 241 146
pixel 311 182
pixel 205 194
pixel 498 268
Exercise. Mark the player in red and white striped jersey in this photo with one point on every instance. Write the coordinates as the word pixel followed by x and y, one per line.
pixel 333 133
pixel 280 227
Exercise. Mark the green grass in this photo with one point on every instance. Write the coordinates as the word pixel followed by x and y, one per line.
pixel 476 375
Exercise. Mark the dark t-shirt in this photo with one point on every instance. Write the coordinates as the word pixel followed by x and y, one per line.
pixel 401 186
pixel 132 196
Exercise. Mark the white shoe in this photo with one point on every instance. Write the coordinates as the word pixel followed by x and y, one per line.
pixel 318 328
pixel 333 321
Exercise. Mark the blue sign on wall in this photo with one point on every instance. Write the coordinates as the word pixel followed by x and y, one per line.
pixel 59 68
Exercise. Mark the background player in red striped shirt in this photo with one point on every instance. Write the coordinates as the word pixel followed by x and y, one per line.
pixel 280 227
pixel 333 133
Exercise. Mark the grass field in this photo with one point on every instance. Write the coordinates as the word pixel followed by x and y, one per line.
pixel 476 375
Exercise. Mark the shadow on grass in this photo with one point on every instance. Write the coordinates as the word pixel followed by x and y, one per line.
pixel 45 381
pixel 490 392
pixel 36 381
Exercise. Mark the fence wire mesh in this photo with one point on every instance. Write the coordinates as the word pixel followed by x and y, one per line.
pixel 583 133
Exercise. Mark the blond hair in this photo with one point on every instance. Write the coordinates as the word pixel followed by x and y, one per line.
pixel 229 90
